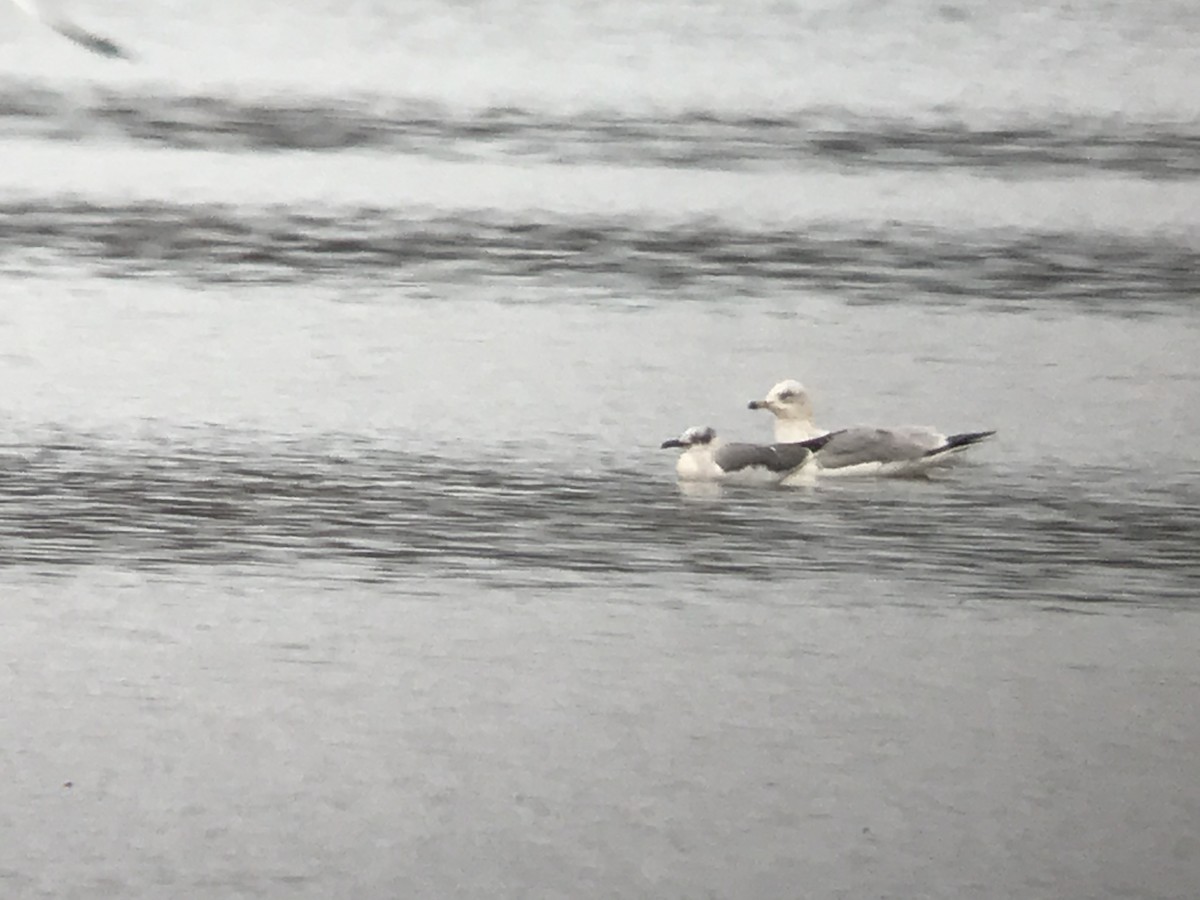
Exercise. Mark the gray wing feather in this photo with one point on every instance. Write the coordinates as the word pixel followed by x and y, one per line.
pixel 779 458
pixel 862 445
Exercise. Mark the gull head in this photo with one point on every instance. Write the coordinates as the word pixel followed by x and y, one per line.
pixel 697 436
pixel 787 400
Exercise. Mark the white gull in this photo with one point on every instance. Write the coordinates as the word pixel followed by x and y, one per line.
pixel 706 458
pixel 908 450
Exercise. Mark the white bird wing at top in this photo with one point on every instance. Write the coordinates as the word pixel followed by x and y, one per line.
pixel 71 31
pixel 29 8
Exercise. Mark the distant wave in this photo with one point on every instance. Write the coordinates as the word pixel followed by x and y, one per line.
pixel 212 243
pixel 700 140
pixel 1095 535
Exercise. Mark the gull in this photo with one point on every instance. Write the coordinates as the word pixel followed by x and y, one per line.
pixel 910 450
pixel 706 458
pixel 70 30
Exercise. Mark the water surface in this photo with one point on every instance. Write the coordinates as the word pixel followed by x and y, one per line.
pixel 337 552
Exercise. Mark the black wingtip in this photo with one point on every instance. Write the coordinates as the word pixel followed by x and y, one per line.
pixel 815 444
pixel 966 439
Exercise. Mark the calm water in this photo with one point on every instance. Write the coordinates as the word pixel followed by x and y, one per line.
pixel 337 555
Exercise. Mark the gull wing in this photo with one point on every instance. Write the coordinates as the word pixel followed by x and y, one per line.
pixel 777 458
pixel 854 446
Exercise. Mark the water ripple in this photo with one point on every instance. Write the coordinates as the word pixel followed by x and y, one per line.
pixel 1086 536
pixel 217 243
pixel 797 139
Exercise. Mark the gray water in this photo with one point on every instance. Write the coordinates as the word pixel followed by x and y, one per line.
pixel 337 553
